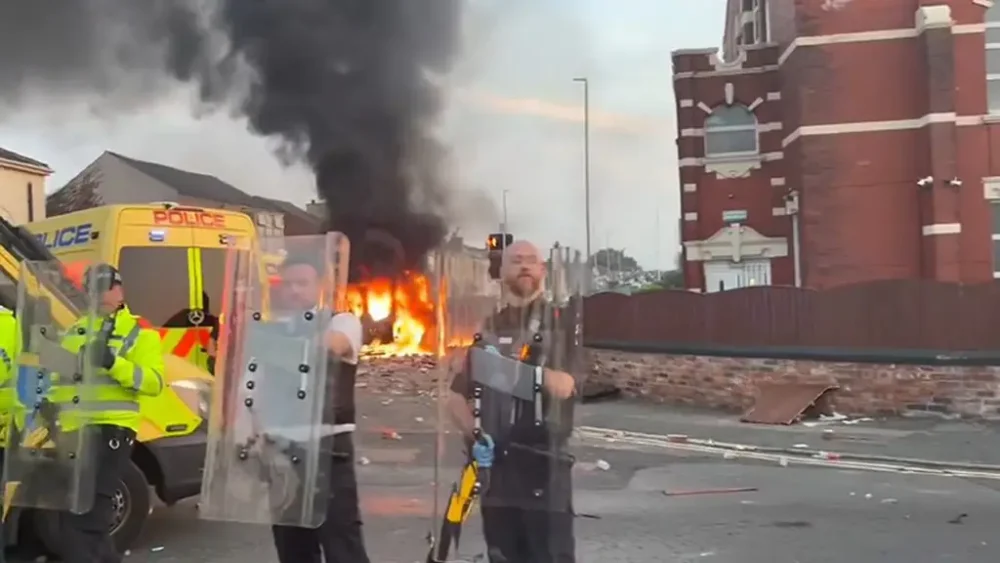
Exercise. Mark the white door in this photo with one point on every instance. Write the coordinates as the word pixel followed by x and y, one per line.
pixel 726 275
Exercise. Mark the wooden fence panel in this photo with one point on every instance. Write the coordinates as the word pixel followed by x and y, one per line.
pixel 895 314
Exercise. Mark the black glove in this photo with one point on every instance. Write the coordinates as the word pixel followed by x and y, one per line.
pixel 101 355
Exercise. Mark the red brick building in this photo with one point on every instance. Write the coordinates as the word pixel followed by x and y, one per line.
pixel 839 141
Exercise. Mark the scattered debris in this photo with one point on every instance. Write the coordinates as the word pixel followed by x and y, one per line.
pixel 958 519
pixel 868 495
pixel 783 461
pixel 389 434
pixel 157 549
pixel 603 465
pixel 800 446
pixel 364 460
pixel 787 403
pixel 889 501
pixel 399 375
pixel 710 491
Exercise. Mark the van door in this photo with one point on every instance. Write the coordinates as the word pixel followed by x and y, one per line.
pixel 208 271
pixel 156 265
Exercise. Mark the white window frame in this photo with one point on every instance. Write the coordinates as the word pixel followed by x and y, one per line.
pixel 714 130
pixel 993 11
pixel 759 20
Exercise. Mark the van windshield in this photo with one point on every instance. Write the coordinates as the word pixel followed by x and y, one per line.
pixel 157 284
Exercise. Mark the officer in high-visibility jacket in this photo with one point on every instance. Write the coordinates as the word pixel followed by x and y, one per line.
pixel 9 347
pixel 129 360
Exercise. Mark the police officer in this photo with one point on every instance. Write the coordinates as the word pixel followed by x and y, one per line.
pixel 130 364
pixel 516 525
pixel 8 351
pixel 339 538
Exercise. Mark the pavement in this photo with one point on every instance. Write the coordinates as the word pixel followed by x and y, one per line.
pixel 792 513
pixel 934 439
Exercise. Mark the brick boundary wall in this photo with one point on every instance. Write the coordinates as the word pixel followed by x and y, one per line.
pixel 865 389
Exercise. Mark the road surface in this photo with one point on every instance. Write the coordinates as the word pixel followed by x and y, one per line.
pixel 797 514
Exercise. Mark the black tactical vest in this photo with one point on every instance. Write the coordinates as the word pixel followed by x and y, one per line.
pixel 514 419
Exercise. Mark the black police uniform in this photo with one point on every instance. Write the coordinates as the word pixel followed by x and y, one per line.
pixel 527 509
pixel 339 538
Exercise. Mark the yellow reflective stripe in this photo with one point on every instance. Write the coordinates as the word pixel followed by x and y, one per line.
pixel 195 282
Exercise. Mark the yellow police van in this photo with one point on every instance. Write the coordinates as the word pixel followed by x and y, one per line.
pixel 172 261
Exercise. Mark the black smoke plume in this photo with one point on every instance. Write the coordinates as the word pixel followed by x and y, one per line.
pixel 347 86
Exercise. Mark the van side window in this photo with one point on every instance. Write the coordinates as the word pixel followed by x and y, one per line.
pixel 156 283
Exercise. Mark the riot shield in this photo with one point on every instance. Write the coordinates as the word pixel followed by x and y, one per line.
pixel 49 457
pixel 270 423
pixel 518 381
pixel 465 299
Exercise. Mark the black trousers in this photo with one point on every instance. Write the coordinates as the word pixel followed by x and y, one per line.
pixel 528 511
pixel 87 537
pixel 528 535
pixel 339 538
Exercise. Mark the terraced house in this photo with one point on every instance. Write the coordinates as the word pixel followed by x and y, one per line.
pixel 838 141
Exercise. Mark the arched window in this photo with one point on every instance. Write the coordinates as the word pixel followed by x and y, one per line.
pixel 730 130
pixel 993 58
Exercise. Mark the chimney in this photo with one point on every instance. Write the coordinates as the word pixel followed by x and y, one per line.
pixel 316 208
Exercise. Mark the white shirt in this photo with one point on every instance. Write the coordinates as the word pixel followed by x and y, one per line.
pixel 350 326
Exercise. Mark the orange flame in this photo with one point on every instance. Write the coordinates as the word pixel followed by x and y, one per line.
pixel 407 301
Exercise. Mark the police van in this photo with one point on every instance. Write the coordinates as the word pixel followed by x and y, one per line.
pixel 172 261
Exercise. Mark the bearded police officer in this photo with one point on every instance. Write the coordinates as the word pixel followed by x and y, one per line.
pixel 339 537
pixel 522 436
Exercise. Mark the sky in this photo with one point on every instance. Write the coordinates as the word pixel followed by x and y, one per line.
pixel 514 125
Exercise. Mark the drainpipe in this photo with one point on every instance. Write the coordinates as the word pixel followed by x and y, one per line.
pixel 792 207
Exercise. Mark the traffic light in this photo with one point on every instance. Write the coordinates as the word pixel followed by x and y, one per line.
pixel 495 244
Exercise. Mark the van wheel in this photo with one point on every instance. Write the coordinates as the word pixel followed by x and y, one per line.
pixel 130 505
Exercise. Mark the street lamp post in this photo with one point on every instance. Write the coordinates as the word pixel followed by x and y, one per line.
pixel 586 166
pixel 503 203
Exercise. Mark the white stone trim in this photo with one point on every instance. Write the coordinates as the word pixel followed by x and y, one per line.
pixel 705 108
pixel 735 242
pixel 686 103
pixel 692 162
pixel 878 126
pixel 729 91
pixel 941 229
pixel 937 16
pixel 690 188
pixel 777 182
pixel 868 36
pixel 761 128
pixel 726 72
pixel 755 104
pixel 779 211
pixel 984 3
pixel 773 96
pixel 991 188
pixel 691 216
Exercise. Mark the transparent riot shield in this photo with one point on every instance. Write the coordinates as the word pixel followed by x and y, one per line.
pixel 271 420
pixel 49 457
pixel 466 299
pixel 518 381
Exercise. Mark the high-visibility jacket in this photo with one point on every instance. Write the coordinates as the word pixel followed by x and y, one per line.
pixel 8 352
pixel 113 398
